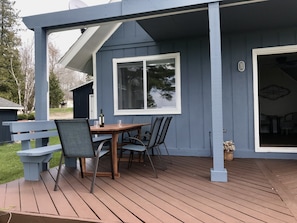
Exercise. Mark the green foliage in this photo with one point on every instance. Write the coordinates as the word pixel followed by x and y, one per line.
pixel 9 54
pixel 29 116
pixel 22 117
pixel 11 168
pixel 162 77
pixel 56 93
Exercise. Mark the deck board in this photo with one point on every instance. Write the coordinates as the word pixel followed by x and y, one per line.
pixel 12 199
pixel 232 197
pixel 43 199
pixel 74 192
pixel 26 194
pixel 63 207
pixel 257 191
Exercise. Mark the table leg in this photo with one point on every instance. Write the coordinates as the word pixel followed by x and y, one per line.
pixel 139 133
pixel 114 151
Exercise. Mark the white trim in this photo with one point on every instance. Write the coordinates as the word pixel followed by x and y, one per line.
pixel 255 54
pixel 79 44
pixel 176 110
pixel 79 55
pixel 11 108
pixel 91 107
pixel 95 87
pixel 81 85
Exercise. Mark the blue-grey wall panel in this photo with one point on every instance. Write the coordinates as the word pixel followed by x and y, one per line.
pixel 6 115
pixel 81 101
pixel 129 33
pixel 189 132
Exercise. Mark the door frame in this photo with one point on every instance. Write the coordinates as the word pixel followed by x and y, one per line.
pixel 255 53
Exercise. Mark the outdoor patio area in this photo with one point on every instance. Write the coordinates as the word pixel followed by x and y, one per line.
pixel 258 191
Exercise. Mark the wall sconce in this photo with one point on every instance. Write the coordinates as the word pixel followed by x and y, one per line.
pixel 241 66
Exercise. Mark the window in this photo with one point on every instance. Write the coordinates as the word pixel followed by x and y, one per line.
pixel 147 85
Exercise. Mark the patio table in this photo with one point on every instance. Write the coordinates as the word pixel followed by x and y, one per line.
pixel 114 130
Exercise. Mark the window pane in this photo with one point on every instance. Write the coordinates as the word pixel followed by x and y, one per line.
pixel 130 85
pixel 161 84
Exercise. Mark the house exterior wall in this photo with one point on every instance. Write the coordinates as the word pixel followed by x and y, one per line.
pixel 189 133
pixel 81 101
pixel 6 115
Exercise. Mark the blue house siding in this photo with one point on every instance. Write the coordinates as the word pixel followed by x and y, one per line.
pixel 189 132
pixel 238 87
pixel 81 100
pixel 6 115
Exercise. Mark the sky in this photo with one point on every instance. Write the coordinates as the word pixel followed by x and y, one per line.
pixel 62 40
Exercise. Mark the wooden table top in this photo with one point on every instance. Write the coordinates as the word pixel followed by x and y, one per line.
pixel 109 128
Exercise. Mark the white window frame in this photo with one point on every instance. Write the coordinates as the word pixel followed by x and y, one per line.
pixel 176 110
pixel 255 54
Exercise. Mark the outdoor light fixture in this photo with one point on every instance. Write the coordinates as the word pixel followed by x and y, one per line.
pixel 241 66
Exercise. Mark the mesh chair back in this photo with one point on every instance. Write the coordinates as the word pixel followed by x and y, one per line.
pixel 143 119
pixel 155 132
pixel 144 129
pixel 164 130
pixel 75 137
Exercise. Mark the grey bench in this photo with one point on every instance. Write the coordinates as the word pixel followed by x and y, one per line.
pixel 35 160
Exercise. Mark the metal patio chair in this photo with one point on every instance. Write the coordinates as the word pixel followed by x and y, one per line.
pixel 76 141
pixel 144 134
pixel 137 145
pixel 145 130
pixel 164 129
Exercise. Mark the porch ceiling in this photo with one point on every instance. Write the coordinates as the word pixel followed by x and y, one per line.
pixel 236 16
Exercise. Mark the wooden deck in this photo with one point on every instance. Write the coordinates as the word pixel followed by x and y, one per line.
pixel 257 191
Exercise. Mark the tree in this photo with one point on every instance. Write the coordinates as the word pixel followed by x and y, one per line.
pixel 56 93
pixel 27 70
pixel 10 77
pixel 67 78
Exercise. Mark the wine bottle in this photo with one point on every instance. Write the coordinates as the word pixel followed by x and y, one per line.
pixel 101 119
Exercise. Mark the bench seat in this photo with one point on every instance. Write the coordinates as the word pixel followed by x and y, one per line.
pixel 41 151
pixel 35 160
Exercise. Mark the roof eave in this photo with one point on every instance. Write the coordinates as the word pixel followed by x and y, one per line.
pixel 117 11
pixel 79 56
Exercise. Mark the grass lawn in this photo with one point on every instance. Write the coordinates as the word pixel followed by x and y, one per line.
pixel 11 168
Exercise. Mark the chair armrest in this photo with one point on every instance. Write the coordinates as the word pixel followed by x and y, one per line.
pixel 101 145
pixel 136 141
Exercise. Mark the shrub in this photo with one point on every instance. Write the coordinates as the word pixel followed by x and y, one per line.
pixel 22 116
pixel 29 116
